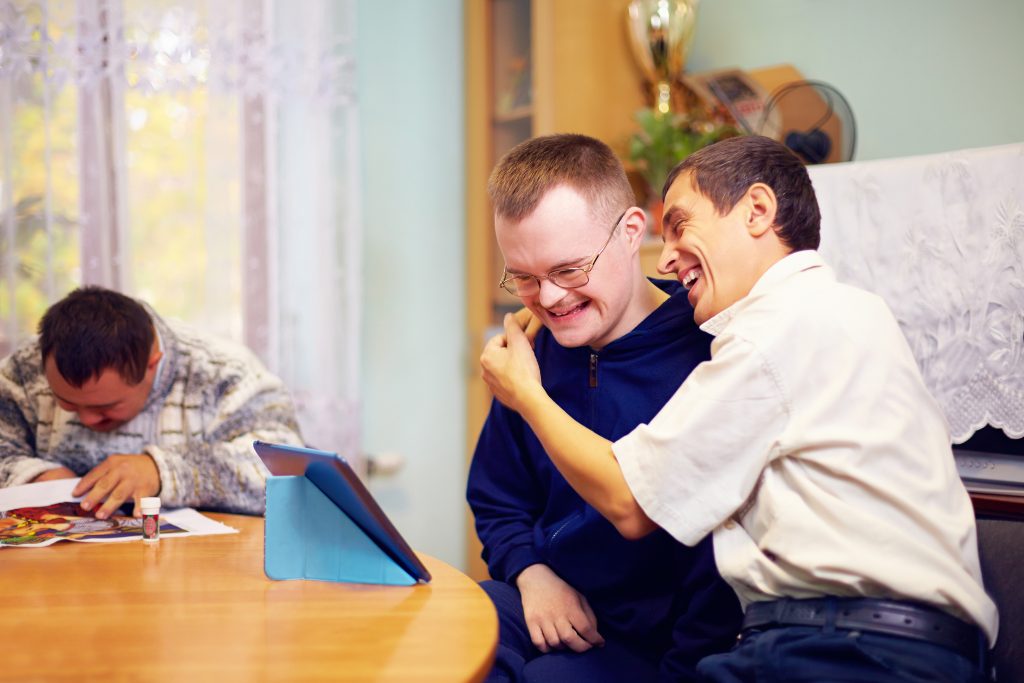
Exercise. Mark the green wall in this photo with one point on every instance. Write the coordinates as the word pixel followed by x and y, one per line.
pixel 410 97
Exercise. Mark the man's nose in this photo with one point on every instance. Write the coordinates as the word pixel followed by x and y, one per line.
pixel 667 259
pixel 550 293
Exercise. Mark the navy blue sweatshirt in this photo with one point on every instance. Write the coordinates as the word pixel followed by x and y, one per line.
pixel 653 592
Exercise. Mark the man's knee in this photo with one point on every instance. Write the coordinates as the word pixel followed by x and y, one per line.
pixel 512 630
pixel 613 663
pixel 507 600
pixel 514 646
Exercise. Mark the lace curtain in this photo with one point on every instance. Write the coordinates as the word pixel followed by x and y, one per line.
pixel 941 239
pixel 201 155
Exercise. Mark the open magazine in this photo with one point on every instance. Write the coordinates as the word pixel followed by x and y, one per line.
pixel 38 515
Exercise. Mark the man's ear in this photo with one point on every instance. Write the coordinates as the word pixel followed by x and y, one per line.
pixel 154 357
pixel 762 207
pixel 634 224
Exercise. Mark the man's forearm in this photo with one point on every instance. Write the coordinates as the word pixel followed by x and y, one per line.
pixel 587 462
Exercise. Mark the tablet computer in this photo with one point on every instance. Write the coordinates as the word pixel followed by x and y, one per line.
pixel 336 479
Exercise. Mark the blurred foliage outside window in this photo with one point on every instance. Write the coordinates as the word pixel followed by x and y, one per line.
pixel 174 154
pixel 38 142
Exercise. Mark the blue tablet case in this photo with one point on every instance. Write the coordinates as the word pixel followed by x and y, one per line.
pixel 307 536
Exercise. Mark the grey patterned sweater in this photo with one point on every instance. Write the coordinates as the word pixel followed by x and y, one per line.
pixel 212 398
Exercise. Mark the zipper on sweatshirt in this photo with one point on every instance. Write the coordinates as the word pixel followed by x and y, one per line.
pixel 593 370
pixel 568 520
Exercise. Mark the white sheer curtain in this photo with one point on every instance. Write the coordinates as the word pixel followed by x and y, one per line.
pixel 201 155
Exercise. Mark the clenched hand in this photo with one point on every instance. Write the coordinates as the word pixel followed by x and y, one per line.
pixel 509 366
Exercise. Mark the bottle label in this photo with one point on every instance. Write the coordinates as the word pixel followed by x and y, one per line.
pixel 150 527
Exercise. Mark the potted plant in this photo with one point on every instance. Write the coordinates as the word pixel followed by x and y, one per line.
pixel 662 142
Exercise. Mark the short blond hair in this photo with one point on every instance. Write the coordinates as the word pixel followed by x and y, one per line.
pixel 533 168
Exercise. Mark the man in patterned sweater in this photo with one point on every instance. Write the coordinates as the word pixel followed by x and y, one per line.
pixel 112 393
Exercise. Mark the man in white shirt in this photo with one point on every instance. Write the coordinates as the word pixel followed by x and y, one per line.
pixel 808 446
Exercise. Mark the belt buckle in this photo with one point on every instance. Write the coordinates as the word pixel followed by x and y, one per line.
pixel 803 612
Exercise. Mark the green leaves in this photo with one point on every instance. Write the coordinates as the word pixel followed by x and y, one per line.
pixel 666 139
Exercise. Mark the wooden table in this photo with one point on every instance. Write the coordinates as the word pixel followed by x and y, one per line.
pixel 201 609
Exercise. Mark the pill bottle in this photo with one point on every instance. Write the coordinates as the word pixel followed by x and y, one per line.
pixel 150 519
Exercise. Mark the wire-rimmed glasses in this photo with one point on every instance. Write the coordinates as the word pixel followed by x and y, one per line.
pixel 566 278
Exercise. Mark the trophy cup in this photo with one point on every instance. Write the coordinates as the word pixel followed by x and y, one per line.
pixel 660 32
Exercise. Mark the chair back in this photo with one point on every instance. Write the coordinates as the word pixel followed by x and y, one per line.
pixel 1001 546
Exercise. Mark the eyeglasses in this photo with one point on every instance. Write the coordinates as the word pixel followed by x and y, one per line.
pixel 566 278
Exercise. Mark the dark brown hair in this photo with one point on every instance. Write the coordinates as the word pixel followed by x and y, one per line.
pixel 532 168
pixel 724 171
pixel 92 329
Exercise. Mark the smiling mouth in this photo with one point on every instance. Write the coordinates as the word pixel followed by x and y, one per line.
pixel 568 311
pixel 691 276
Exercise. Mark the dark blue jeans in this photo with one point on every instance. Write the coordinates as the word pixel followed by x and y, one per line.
pixel 518 661
pixel 807 654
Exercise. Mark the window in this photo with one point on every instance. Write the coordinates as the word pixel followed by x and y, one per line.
pixel 200 155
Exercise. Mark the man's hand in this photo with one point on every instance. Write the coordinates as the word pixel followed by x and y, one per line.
pixel 55 473
pixel 528 323
pixel 115 480
pixel 509 366
pixel 556 615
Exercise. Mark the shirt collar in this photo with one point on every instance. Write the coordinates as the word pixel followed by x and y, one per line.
pixel 796 262
pixel 163 357
pixel 167 368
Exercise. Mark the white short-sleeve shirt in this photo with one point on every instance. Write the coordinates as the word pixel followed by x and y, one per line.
pixel 811 449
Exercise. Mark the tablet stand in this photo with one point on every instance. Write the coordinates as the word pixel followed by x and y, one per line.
pixel 308 537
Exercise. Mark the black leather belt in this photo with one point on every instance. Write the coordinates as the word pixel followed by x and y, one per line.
pixel 870 615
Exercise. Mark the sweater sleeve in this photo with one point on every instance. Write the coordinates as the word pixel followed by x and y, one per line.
pixel 217 468
pixel 18 461
pixel 504 495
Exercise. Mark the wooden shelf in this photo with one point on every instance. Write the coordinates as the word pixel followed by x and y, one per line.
pixel 514 115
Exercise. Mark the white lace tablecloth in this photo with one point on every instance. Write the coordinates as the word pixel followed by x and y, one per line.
pixel 941 239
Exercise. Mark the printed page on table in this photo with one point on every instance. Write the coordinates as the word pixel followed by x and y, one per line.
pixel 38 515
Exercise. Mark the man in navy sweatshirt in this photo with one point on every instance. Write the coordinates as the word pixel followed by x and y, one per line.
pixel 577 601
